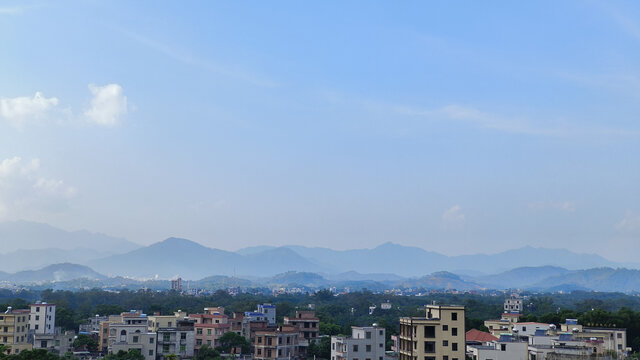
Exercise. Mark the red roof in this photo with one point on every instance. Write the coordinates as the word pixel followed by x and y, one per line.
pixel 479 336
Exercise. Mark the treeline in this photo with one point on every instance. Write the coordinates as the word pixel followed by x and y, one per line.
pixel 338 313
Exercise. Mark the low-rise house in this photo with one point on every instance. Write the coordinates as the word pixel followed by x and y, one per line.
pixel 365 343
pixel 58 342
pixel 132 333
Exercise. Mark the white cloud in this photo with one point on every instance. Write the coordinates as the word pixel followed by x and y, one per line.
pixel 453 217
pixel 19 110
pixel 567 206
pixel 25 192
pixel 630 222
pixel 108 105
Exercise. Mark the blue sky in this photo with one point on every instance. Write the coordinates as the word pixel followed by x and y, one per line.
pixel 459 127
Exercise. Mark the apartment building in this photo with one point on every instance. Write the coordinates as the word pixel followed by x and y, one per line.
pixel 210 326
pixel 42 318
pixel 132 333
pixel 280 343
pixel 440 335
pixel 93 325
pixel 178 340
pixel 14 326
pixel 365 343
pixel 306 322
pixel 609 339
pixel 513 304
pixel 504 324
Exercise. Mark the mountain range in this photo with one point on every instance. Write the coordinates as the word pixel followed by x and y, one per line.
pixel 383 266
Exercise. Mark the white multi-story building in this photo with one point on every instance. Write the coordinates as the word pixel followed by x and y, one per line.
pixel 42 318
pixel 365 343
pixel 513 304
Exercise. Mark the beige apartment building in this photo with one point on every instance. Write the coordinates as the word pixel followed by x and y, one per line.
pixel 14 327
pixel 440 335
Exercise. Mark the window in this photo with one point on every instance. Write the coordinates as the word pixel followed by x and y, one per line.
pixel 355 348
pixel 37 326
pixel 183 336
pixel 619 335
pixel 429 347
pixel 199 342
pixel 445 327
pixel 208 331
pixel 37 317
pixel 454 346
pixel 503 347
pixel 454 316
pixel 199 332
pixel 259 351
pixel 150 340
pixel 169 324
pixel 429 331
pixel 445 342
pixel 183 348
pixel 380 345
pixel 208 342
pixel 619 346
pixel 165 348
pixel 429 358
pixel 6 329
pixel 37 308
pixel 524 328
pixel 135 339
pixel 43 343
pixel 454 331
pixel 380 332
pixel 150 352
pixel 368 334
pixel 445 357
pixel 166 337
pixel 368 349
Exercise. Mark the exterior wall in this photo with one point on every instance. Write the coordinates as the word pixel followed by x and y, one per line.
pixel 209 334
pixel 502 351
pixel 14 326
pixel 269 312
pixel 42 318
pixel 132 333
pixel 365 343
pixel 281 344
pixel 529 328
pixel 439 335
pixel 176 341
pixel 306 322
pixel 58 342
pixel 513 305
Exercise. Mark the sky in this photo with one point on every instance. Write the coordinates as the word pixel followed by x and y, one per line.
pixel 459 127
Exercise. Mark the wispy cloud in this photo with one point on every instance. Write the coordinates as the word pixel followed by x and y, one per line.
pixel 188 58
pixel 630 223
pixel 453 217
pixel 566 206
pixel 514 125
pixel 22 109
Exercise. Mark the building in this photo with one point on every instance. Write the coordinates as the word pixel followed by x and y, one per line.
pixel 365 343
pixel 158 321
pixel 58 342
pixel 176 284
pixel 609 339
pixel 513 304
pixel 178 340
pixel 306 322
pixel 42 318
pixel 92 327
pixel 14 326
pixel 439 335
pixel 504 324
pixel 210 326
pixel 269 312
pixel 280 343
pixel 507 347
pixel 132 332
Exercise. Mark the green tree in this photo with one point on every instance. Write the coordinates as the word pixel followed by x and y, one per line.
pixel 85 342
pixel 320 349
pixel 132 354
pixel 232 340
pixel 37 354
pixel 206 352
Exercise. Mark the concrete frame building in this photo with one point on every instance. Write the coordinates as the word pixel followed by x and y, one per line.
pixel 42 318
pixel 365 343
pixel 307 322
pixel 178 340
pixel 280 343
pixel 439 335
pixel 14 330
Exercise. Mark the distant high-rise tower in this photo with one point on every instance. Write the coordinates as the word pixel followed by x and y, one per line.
pixel 176 284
